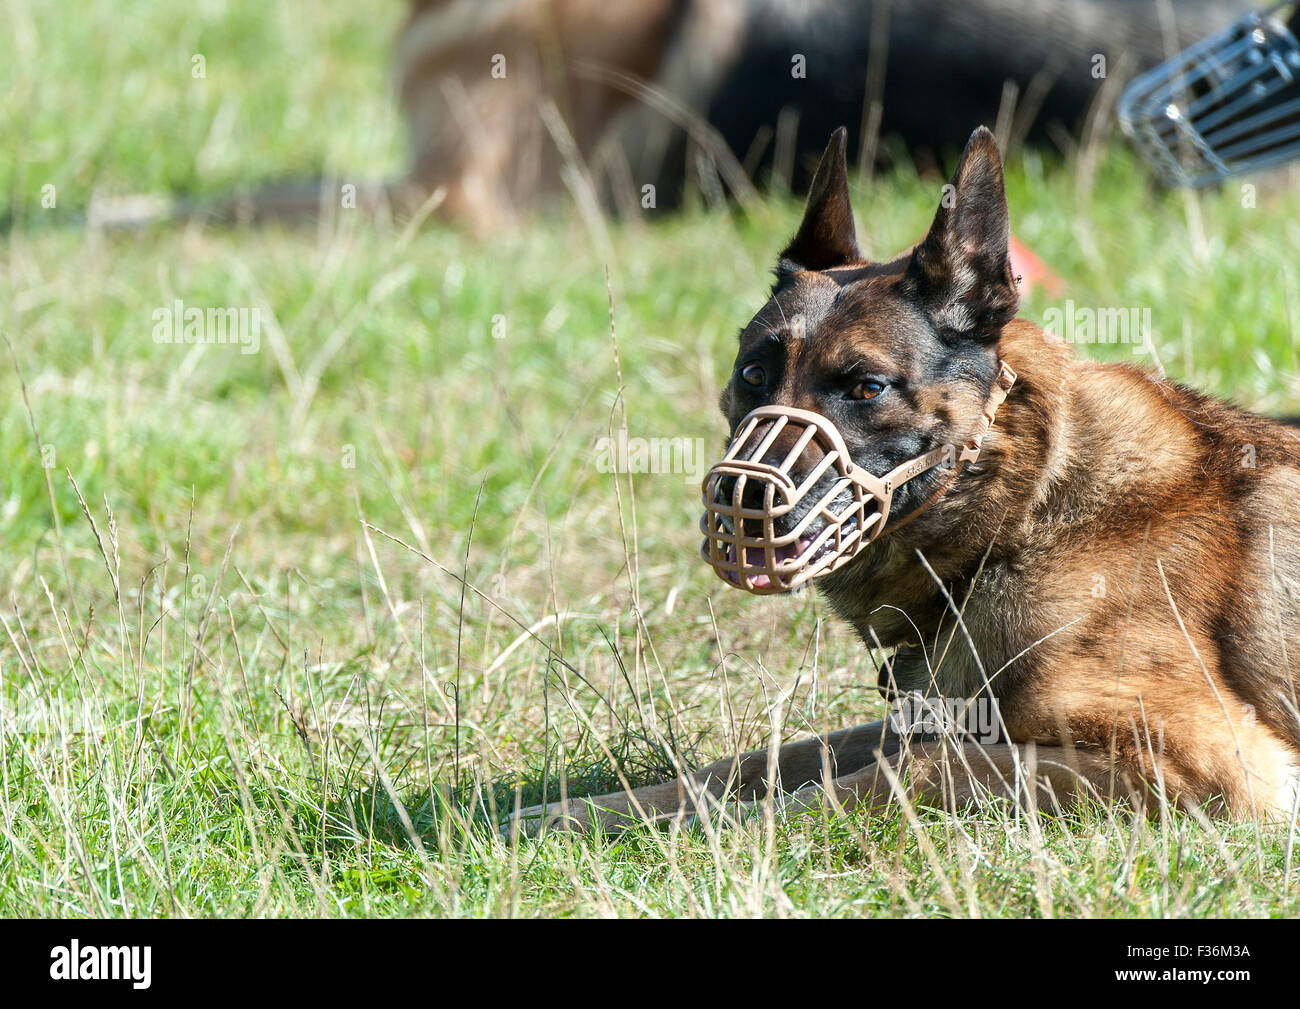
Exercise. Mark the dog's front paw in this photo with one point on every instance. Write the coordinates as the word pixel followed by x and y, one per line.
pixel 572 816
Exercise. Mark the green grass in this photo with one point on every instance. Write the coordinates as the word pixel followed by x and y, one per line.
pixel 229 696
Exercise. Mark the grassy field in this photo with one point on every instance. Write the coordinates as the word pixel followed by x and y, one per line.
pixel 238 672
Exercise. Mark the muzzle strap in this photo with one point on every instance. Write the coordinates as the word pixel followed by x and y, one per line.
pixel 970 451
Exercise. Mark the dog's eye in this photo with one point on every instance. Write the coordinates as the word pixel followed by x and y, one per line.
pixel 867 390
pixel 753 374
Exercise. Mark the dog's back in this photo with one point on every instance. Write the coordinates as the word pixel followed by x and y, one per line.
pixel 1143 591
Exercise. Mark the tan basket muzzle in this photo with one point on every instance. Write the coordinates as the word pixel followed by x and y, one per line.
pixel 746 499
pixel 749 539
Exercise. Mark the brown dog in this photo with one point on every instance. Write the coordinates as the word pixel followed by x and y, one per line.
pixel 1119 571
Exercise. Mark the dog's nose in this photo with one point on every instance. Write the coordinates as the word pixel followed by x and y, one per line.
pixel 778 453
pixel 751 496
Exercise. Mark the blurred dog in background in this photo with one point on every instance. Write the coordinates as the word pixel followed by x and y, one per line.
pixel 629 105
pixel 509 100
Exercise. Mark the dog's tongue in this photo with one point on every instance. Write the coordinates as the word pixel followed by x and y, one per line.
pixel 795 549
pixel 754 559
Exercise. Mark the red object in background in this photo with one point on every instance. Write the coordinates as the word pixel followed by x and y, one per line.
pixel 1032 271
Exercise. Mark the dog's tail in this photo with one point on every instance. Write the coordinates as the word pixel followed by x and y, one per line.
pixel 287 202
pixel 281 201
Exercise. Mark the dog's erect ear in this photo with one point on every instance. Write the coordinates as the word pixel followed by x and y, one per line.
pixel 826 237
pixel 962 270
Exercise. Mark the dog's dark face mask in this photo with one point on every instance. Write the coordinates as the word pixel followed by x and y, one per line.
pixel 899 356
